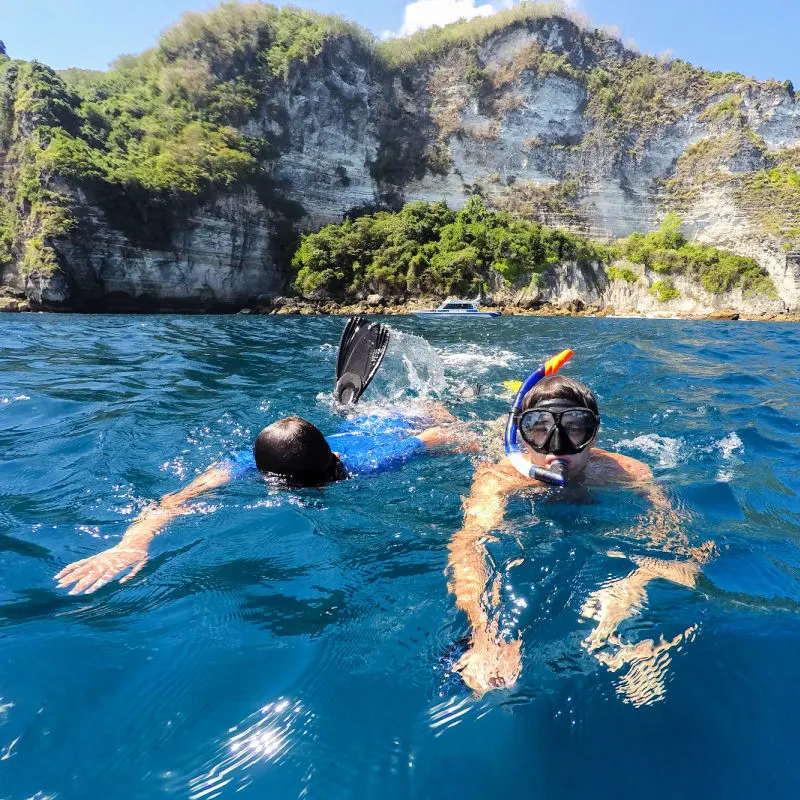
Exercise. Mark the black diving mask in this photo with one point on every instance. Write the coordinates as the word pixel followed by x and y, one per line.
pixel 556 427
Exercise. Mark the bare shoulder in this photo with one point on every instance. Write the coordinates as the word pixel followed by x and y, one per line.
pixel 499 477
pixel 607 467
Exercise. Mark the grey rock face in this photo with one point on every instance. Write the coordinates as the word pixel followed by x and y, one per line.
pixel 221 257
pixel 47 290
pixel 327 129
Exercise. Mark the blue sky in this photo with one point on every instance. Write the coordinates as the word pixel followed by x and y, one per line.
pixel 759 39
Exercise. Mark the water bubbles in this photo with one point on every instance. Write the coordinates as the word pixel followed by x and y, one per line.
pixel 730 444
pixel 665 449
pixel 175 466
pixel 474 358
pixel 4 401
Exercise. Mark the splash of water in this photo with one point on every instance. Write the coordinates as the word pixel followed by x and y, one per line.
pixel 667 450
pixel 411 368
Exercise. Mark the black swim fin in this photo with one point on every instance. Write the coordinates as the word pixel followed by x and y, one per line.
pixel 361 350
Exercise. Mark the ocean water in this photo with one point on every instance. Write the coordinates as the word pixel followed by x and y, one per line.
pixel 300 644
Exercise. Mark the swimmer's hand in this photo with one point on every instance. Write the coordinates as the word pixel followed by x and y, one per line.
pixel 89 574
pixel 490 663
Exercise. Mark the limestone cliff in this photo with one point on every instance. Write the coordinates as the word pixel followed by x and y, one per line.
pixel 542 116
pixel 587 284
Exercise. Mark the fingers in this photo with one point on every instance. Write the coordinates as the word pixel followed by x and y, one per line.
pixel 73 573
pixel 591 607
pixel 93 580
pixel 134 571
pixel 94 587
pixel 69 568
pixel 90 574
pixel 485 670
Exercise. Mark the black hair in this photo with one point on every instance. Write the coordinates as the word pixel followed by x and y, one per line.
pixel 297 451
pixel 560 387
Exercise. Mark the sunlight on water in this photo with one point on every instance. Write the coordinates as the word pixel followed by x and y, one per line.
pixel 450 713
pixel 265 737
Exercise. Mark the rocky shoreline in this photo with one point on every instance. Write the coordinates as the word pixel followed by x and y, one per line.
pixel 379 305
pixel 575 308
pixel 291 306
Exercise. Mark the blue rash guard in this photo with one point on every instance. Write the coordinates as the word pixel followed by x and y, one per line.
pixel 369 443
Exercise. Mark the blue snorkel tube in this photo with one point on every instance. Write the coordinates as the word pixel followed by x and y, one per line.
pixel 556 475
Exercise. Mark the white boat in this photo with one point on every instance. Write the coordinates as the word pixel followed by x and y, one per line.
pixel 453 307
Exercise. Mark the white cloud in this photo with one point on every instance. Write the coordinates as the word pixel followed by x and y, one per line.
pixel 422 14
pixel 425 13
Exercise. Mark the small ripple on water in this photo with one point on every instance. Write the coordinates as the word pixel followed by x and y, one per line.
pixel 450 713
pixel 664 448
pixel 8 751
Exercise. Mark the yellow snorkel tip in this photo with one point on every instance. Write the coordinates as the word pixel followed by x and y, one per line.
pixel 554 364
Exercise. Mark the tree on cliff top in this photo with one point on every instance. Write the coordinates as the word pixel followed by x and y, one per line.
pixel 3 48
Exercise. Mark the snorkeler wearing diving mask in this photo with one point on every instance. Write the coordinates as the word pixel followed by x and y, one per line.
pixel 559 431
pixel 558 419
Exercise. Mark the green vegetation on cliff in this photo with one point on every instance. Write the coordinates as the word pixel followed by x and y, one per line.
pixel 37 113
pixel 667 251
pixel 618 273
pixel 663 290
pixel 630 98
pixel 772 196
pixel 763 183
pixel 629 94
pixel 434 42
pixel 427 248
pixel 155 134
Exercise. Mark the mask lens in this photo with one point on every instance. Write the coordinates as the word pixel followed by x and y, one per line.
pixel 535 427
pixel 579 425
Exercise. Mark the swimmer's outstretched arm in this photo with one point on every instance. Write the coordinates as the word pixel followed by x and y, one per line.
pixel 617 600
pixel 612 604
pixel 89 574
pixel 491 662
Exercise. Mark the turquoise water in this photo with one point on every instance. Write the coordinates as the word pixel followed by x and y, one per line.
pixel 299 644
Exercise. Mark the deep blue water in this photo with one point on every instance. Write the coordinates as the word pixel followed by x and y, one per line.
pixel 295 644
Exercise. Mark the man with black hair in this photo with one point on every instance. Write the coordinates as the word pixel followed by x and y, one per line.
pixel 292 453
pixel 562 424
